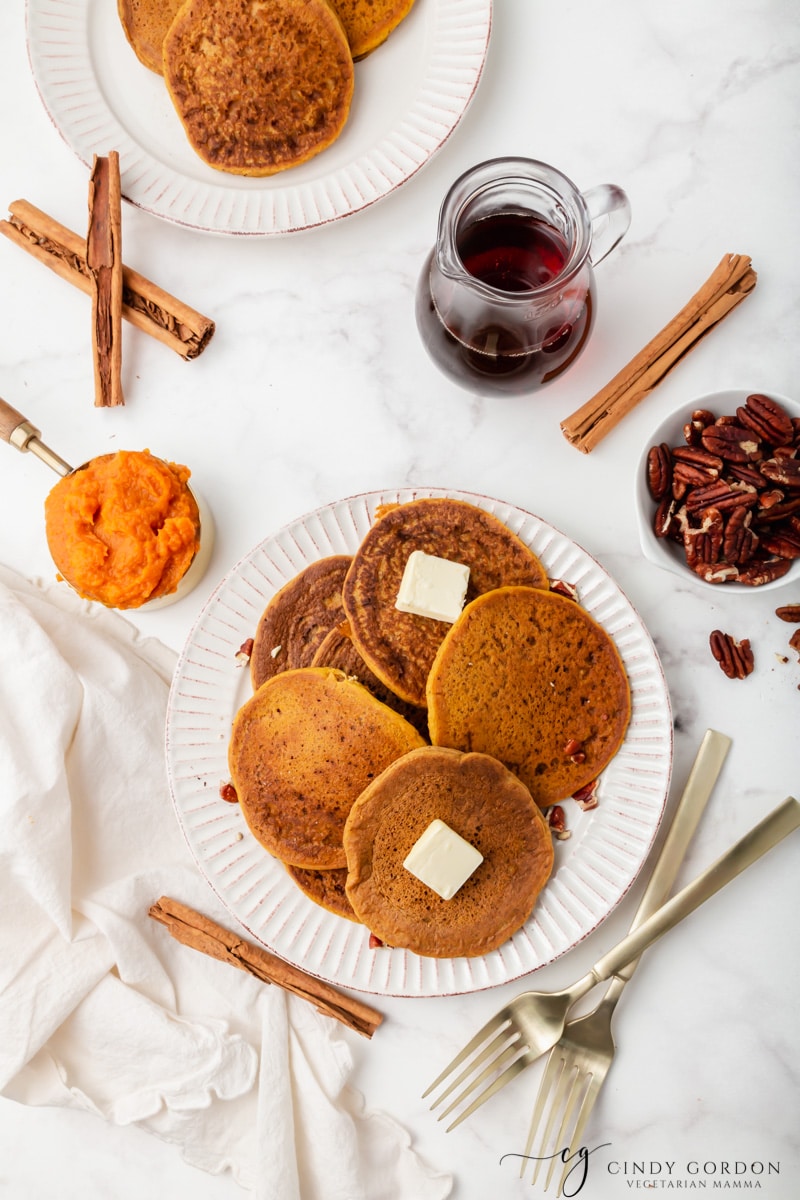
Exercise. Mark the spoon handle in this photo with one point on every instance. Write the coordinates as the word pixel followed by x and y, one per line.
pixel 782 821
pixel 22 435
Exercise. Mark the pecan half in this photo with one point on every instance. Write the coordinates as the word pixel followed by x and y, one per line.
pixel 782 470
pixel 703 543
pixel 693 429
pixel 720 495
pixel 659 470
pixel 228 792
pixel 767 418
pixel 789 612
pixel 740 542
pixel 784 543
pixel 763 570
pixel 735 658
pixel 734 443
pixel 694 465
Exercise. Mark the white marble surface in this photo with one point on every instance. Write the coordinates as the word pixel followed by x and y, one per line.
pixel 316 387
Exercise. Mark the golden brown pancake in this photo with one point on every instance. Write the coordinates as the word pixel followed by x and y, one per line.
pixel 528 676
pixel 337 650
pixel 259 86
pixel 302 749
pixel 400 647
pixel 326 888
pixel 146 23
pixel 368 23
pixel 480 800
pixel 298 617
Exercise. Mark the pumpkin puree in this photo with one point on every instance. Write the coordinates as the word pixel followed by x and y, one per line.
pixel 123 529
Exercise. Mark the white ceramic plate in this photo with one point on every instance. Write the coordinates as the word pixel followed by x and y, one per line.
pixel 410 94
pixel 663 552
pixel 593 869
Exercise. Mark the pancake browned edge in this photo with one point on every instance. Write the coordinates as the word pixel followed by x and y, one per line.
pixel 325 888
pixel 531 678
pixel 145 23
pixel 400 647
pixel 297 619
pixel 338 650
pixel 368 23
pixel 259 87
pixel 303 747
pixel 481 801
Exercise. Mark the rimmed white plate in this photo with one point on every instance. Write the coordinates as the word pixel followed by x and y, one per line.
pixel 410 94
pixel 593 869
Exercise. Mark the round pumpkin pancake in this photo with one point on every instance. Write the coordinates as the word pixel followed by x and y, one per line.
pixel 297 619
pixel 146 23
pixel 259 87
pixel 302 749
pixel 400 647
pixel 528 676
pixel 326 888
pixel 368 23
pixel 486 805
pixel 337 649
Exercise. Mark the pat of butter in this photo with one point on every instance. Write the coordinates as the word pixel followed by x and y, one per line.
pixel 433 587
pixel 442 859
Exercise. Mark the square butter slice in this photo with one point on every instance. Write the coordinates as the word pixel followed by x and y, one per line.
pixel 442 860
pixel 432 587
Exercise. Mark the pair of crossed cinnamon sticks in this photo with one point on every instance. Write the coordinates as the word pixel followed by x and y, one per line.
pixel 94 264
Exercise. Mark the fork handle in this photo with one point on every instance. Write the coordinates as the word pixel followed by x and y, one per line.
pixel 782 821
pixel 691 806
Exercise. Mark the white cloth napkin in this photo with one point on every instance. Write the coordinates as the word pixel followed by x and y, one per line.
pixel 99 1008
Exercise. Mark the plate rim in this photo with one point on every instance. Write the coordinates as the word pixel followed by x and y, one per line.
pixel 367 167
pixel 373 498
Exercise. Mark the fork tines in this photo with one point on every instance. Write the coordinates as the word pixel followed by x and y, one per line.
pixel 571 1093
pixel 497 1048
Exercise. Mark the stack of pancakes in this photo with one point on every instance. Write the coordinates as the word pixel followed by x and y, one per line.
pixel 259 87
pixel 367 723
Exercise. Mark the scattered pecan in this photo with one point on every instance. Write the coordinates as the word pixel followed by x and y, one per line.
pixel 228 792
pixel 794 641
pixel 564 589
pixel 558 822
pixel 735 658
pixel 245 651
pixel 789 612
pixel 586 797
pixel 573 746
pixel 375 942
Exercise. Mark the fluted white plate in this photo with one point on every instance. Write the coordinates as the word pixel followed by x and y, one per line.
pixel 593 869
pixel 410 94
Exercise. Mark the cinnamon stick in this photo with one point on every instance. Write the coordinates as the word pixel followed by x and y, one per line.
pixel 144 304
pixel 104 260
pixel 201 933
pixel 731 282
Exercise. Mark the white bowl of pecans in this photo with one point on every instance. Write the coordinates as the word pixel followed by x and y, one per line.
pixel 718 491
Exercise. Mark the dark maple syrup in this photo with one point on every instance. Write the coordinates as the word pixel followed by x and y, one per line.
pixel 513 253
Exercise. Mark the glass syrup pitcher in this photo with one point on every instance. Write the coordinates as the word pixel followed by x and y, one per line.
pixel 506 300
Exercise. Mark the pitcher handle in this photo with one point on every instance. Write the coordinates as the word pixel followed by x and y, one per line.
pixel 610 214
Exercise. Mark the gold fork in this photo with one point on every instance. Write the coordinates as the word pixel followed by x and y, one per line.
pixel 532 1022
pixel 580 1060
